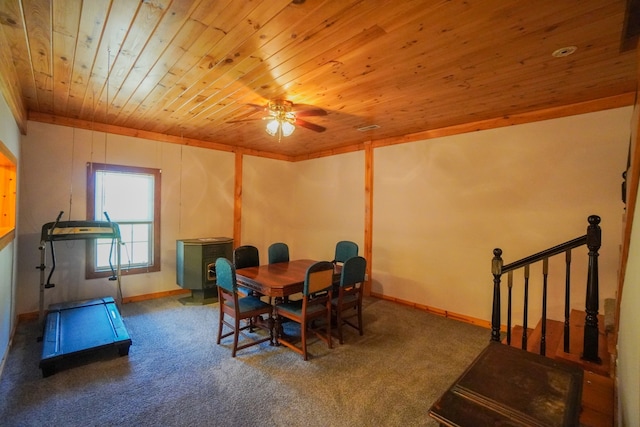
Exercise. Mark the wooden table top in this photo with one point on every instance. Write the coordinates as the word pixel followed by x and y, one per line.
pixel 275 280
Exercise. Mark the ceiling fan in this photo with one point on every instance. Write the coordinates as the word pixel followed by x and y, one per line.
pixel 283 116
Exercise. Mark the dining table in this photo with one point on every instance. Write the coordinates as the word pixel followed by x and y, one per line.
pixel 278 281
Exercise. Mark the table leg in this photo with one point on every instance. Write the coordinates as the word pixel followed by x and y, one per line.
pixel 277 328
pixel 272 335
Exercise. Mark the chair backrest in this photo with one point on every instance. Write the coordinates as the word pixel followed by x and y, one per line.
pixel 246 256
pixel 353 271
pixel 226 275
pixel 319 277
pixel 345 250
pixel 278 252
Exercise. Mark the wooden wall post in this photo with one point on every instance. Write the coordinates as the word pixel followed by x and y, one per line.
pixel 237 201
pixel 368 213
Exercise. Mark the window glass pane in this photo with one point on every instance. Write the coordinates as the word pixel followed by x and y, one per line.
pixel 137 248
pixel 125 230
pixel 141 232
pixel 103 250
pixel 124 196
pixel 139 253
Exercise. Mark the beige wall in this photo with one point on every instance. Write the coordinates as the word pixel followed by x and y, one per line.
pixel 440 206
pixel 267 203
pixel 329 204
pixel 309 205
pixel 197 201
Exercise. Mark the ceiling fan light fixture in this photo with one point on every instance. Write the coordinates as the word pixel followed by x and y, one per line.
pixel 287 128
pixel 272 127
pixel 281 122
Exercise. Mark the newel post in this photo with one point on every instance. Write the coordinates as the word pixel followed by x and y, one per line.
pixel 496 270
pixel 590 350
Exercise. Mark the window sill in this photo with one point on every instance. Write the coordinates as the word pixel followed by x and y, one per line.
pixel 7 235
pixel 123 272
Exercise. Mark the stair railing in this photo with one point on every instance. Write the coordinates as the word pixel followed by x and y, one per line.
pixel 592 240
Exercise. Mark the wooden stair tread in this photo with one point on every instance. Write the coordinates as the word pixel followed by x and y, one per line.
pixel 554 336
pixel 576 344
pixel 597 401
pixel 534 337
pixel 516 336
pixel 555 342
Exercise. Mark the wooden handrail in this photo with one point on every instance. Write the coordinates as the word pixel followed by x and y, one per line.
pixel 547 253
pixel 592 239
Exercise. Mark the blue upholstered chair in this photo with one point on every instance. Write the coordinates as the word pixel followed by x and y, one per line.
pixel 314 306
pixel 232 305
pixel 278 252
pixel 347 305
pixel 345 250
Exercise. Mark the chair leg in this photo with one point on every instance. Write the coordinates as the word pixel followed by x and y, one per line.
pixel 339 322
pixel 303 333
pixel 328 327
pixel 360 328
pixel 236 332
pixel 220 326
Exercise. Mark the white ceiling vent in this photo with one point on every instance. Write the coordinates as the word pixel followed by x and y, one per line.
pixel 368 128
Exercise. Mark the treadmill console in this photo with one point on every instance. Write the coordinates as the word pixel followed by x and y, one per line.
pixel 73 230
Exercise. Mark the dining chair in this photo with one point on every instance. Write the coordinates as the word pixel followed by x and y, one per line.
pixel 232 305
pixel 246 256
pixel 350 295
pixel 314 305
pixel 345 249
pixel 278 252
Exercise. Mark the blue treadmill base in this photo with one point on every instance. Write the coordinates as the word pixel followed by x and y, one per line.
pixel 76 328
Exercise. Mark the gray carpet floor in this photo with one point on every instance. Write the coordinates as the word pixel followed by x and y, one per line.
pixel 175 374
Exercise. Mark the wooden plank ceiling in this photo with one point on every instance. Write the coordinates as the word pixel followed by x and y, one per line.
pixel 186 68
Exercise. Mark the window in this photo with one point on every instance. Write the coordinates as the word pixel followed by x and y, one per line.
pixel 130 196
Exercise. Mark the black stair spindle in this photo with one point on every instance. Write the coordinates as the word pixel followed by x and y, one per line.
pixel 525 317
pixel 509 285
pixel 545 275
pixel 496 270
pixel 567 300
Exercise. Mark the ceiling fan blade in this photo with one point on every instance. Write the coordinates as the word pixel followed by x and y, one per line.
pixel 310 126
pixel 247 116
pixel 244 120
pixel 311 112
pixel 300 107
pixel 257 107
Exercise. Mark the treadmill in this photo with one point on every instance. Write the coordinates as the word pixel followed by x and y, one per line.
pixel 79 327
